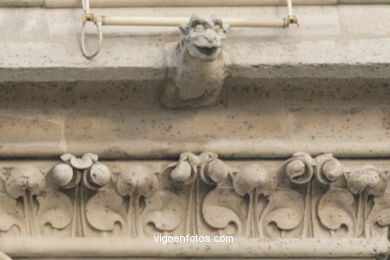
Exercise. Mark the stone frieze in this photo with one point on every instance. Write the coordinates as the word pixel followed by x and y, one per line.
pixel 304 198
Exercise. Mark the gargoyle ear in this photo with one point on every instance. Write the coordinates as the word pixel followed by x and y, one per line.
pixel 184 29
pixel 226 27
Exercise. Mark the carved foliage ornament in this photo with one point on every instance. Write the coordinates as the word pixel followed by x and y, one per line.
pixel 199 194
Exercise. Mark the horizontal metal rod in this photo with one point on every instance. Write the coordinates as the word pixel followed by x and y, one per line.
pixel 175 3
pixel 176 21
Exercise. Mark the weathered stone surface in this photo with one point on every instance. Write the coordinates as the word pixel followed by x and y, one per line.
pixel 31 132
pixel 334 65
pixel 266 118
pixel 320 88
pixel 332 41
pixel 303 207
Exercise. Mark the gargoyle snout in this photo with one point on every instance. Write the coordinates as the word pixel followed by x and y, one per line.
pixel 210 35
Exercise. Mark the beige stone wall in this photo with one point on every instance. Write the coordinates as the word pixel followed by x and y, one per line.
pixel 321 88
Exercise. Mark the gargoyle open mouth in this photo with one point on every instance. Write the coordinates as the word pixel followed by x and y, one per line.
pixel 208 51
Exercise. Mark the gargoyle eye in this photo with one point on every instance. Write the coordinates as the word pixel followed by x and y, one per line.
pixel 199 28
pixel 218 28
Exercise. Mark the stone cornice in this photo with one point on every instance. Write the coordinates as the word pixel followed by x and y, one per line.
pixel 125 248
pixel 52 53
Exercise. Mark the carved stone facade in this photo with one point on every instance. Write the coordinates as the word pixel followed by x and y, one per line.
pixel 196 132
pixel 319 201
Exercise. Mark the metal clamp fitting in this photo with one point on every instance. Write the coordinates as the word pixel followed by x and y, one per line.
pixel 291 19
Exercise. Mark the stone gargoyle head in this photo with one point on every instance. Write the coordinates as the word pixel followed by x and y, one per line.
pixel 203 36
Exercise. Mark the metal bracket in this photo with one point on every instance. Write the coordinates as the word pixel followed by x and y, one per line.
pixel 142 21
pixel 291 19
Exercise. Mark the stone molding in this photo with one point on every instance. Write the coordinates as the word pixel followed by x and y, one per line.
pixel 304 206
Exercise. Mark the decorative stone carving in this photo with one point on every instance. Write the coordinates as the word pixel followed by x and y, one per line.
pixel 134 206
pixel 197 66
pixel 188 171
pixel 336 206
pixel 367 183
pixel 301 198
pixel 25 182
pixel 77 174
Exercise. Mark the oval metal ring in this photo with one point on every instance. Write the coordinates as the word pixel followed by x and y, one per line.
pixel 87 54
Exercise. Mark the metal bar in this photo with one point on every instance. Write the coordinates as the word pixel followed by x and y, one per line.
pixel 176 21
pixel 175 3
pixel 289 6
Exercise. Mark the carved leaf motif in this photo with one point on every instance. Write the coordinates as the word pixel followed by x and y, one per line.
pixel 299 168
pixel 329 169
pixel 105 209
pixel 368 179
pixel 23 178
pixel 223 208
pixel 336 211
pixel 254 176
pixel 10 214
pixel 137 181
pixel 379 217
pixel 182 172
pixel 55 208
pixel 284 211
pixel 214 171
pixel 84 162
pixel 162 211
